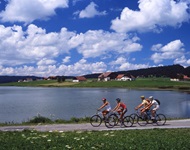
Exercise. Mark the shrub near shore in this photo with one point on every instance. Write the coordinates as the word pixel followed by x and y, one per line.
pixel 124 139
pixel 45 120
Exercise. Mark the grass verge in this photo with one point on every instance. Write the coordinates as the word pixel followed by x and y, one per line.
pixel 124 139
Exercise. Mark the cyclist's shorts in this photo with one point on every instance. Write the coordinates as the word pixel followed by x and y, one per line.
pixel 108 109
pixel 124 110
pixel 155 108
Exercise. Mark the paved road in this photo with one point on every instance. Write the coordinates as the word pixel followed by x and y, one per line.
pixel 87 127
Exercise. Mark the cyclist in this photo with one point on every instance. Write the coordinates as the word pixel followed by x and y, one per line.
pixel 154 106
pixel 105 105
pixel 144 104
pixel 121 108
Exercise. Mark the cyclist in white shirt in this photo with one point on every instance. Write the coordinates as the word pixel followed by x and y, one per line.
pixel 106 106
pixel 153 106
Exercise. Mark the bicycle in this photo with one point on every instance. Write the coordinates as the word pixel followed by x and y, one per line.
pixel 97 119
pixel 135 116
pixel 145 118
pixel 113 120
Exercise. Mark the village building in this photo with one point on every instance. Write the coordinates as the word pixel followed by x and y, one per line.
pixel 186 78
pixel 107 76
pixel 123 77
pixel 79 79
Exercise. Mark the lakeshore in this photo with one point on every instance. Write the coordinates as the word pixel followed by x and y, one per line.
pixel 139 83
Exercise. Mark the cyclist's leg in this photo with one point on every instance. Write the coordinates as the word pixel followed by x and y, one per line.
pixel 120 113
pixel 123 113
pixel 142 113
pixel 104 113
pixel 154 111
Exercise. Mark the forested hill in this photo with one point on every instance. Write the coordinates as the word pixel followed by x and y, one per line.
pixel 165 71
pixel 6 79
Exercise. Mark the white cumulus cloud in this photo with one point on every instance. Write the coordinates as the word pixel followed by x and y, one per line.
pixel 90 11
pixel 66 59
pixel 45 62
pixel 27 11
pixel 19 47
pixel 172 50
pixel 82 67
pixel 152 15
pixel 182 60
pixel 98 42
pixel 122 64
pixel 35 52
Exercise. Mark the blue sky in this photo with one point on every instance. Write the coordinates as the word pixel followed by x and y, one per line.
pixel 78 37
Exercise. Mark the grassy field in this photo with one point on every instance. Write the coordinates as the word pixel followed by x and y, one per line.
pixel 157 139
pixel 159 83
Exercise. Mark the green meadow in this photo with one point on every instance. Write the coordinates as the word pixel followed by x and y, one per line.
pixel 157 139
pixel 158 83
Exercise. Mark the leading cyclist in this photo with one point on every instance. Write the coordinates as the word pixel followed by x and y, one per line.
pixel 105 105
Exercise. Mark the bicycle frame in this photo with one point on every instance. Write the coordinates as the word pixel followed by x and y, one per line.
pixel 97 118
pixel 99 113
pixel 114 119
pixel 146 118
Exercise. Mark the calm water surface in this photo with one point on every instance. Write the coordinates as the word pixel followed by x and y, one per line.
pixel 20 104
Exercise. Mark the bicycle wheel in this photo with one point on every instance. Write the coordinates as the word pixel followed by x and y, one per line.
pixel 112 120
pixel 128 121
pixel 135 117
pixel 149 120
pixel 95 121
pixel 142 121
pixel 160 119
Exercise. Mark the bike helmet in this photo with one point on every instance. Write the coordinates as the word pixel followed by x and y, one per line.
pixel 151 97
pixel 142 96
pixel 103 99
pixel 118 99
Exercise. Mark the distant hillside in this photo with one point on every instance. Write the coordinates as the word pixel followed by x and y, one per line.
pixel 187 71
pixel 6 79
pixel 163 71
pixel 92 76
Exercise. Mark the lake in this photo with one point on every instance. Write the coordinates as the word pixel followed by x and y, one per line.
pixel 19 104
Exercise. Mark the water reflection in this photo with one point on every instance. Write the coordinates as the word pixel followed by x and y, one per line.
pixel 22 103
pixel 185 107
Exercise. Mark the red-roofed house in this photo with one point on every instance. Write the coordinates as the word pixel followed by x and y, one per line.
pixel 186 78
pixel 119 77
pixel 79 79
pixel 107 76
pixel 123 77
